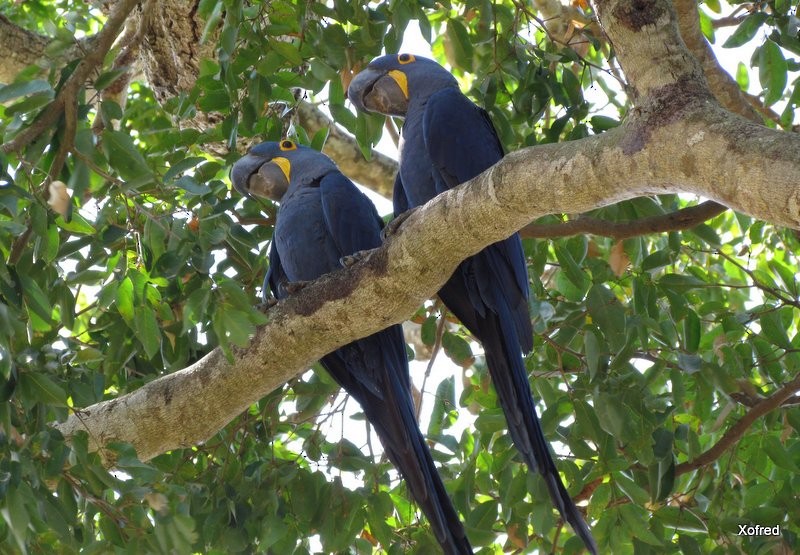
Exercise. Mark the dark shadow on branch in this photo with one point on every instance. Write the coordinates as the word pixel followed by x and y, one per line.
pixel 685 218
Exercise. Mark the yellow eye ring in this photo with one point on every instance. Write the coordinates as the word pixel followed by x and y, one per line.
pixel 286 144
pixel 405 58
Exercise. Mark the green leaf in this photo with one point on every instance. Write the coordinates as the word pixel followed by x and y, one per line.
pixel 318 142
pixel 746 30
pixel 235 325
pixel 596 353
pixel 774 329
pixel 41 388
pixel 631 489
pixel 675 518
pixel 428 330
pixel 124 157
pixel 480 522
pixel 458 45
pixel 444 402
pixel 124 299
pixel 772 71
pixel 190 185
pixel 15 90
pixel 570 267
pixel 742 76
pixel 181 166
pixel 77 224
pixel 15 513
pixel 607 313
pixel 36 300
pixel 147 330
pixel 287 50
pixel 603 123
pixel 457 349
pixel 633 516
pixel 778 454
pixel 108 77
pixel 692 332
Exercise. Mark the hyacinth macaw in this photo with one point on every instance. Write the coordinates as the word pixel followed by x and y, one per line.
pixel 322 218
pixel 447 140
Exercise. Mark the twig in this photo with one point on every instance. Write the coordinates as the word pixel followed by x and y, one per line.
pixel 735 432
pixel 437 344
pixel 685 218
pixel 778 294
pixel 69 92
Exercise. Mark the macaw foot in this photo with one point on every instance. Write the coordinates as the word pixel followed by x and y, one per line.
pixel 391 228
pixel 292 287
pixel 266 304
pixel 351 259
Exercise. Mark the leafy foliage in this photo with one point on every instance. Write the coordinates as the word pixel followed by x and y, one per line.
pixel 647 351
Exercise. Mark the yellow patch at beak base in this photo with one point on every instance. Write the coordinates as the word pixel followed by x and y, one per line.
pixel 284 165
pixel 401 80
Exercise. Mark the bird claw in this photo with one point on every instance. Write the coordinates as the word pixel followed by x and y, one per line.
pixel 266 304
pixel 391 228
pixel 292 287
pixel 350 259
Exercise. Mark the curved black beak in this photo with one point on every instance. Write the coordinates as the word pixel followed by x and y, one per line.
pixel 254 175
pixel 384 92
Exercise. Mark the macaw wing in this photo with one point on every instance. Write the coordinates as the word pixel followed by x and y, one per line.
pixel 275 278
pixel 350 216
pixel 399 199
pixel 462 143
pixel 460 138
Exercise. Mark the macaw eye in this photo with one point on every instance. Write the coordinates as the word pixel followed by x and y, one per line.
pixel 405 58
pixel 286 144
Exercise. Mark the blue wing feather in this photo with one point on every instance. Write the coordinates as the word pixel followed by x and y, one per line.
pixel 462 143
pixel 352 221
pixel 318 225
pixel 489 291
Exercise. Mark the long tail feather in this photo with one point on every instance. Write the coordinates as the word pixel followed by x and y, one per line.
pixel 509 377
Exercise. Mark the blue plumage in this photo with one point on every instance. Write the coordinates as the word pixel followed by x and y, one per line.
pixel 322 218
pixel 448 140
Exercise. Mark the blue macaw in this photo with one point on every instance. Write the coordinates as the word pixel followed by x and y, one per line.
pixel 324 218
pixel 447 140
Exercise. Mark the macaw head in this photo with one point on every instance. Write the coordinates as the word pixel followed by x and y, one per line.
pixel 269 169
pixel 390 83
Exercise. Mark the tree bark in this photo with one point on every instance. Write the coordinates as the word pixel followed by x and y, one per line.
pixel 678 139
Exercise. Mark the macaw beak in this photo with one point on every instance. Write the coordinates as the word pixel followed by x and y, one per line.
pixel 380 91
pixel 255 175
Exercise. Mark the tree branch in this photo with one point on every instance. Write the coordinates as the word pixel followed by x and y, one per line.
pixel 685 218
pixel 735 432
pixel 68 93
pixel 724 87
pixel 692 146
pixel 20 48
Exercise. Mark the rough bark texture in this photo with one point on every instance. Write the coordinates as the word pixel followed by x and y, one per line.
pixel 20 48
pixel 677 139
pixel 694 146
pixel 725 88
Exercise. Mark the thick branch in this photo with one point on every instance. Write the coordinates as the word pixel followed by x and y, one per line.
pixel 735 432
pixel 412 265
pixel 724 87
pixel 20 48
pixel 678 140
